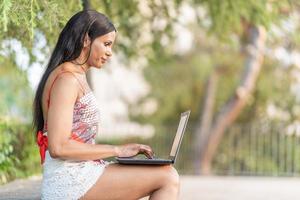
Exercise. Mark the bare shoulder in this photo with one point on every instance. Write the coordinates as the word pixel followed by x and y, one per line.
pixel 65 86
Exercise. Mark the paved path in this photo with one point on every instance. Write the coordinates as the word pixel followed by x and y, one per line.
pixel 192 188
pixel 25 189
pixel 240 188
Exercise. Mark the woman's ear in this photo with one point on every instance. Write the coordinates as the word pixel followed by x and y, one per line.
pixel 87 41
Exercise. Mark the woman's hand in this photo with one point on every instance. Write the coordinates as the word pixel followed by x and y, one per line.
pixel 130 150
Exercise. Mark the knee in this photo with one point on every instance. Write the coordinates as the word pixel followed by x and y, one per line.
pixel 171 176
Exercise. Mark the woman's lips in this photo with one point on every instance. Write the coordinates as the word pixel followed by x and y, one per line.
pixel 103 60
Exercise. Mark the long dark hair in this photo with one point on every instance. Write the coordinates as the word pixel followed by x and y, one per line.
pixel 68 48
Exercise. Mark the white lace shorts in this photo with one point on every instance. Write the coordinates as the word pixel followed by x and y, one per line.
pixel 67 180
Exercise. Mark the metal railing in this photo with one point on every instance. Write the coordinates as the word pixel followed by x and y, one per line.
pixel 263 149
pixel 259 149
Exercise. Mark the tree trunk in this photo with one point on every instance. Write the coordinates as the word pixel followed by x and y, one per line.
pixel 230 111
pixel 202 130
pixel 86 5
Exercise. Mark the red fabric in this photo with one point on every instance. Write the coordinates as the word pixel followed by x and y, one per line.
pixel 42 141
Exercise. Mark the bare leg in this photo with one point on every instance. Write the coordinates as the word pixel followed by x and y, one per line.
pixel 169 189
pixel 134 182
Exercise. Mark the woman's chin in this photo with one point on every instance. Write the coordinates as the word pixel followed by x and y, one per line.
pixel 99 65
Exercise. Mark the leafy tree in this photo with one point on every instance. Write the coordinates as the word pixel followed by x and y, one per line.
pixel 245 20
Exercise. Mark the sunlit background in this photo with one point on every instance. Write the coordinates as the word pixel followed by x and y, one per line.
pixel 234 64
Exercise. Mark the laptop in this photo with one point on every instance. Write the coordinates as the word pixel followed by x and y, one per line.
pixel 174 150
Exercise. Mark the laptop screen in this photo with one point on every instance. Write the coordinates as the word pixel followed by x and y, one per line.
pixel 179 133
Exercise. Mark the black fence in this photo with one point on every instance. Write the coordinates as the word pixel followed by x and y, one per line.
pixel 259 149
pixel 256 149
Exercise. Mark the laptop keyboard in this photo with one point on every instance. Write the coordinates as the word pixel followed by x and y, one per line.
pixel 149 159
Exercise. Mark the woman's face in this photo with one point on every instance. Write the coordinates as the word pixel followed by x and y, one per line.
pixel 101 49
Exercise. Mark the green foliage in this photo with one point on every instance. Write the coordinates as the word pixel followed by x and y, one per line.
pixel 182 78
pixel 178 82
pixel 16 96
pixel 5 7
pixel 19 19
pixel 19 155
pixel 229 16
pixel 7 159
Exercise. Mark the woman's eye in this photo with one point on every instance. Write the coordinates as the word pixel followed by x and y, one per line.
pixel 106 44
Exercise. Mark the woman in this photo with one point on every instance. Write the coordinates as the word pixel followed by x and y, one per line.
pixel 66 119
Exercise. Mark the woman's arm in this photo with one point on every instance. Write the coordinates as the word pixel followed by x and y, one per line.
pixel 60 116
pixel 74 150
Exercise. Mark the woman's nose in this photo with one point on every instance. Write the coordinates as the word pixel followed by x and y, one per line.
pixel 108 53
